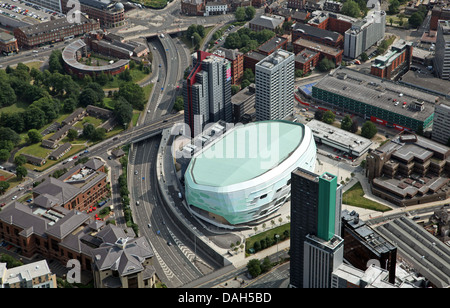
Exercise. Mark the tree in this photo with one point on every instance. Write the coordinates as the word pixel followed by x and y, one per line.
pixel 354 127
pixel 4 154
pixel 328 117
pixel 4 185
pixel 179 102
pixel 346 123
pixel 240 14
pixel 368 130
pixel 19 160
pixel 87 97
pixel 350 8
pixel 250 12
pixel 34 136
pixel 234 89
pixel 72 134
pixel 325 65
pixel 248 75
pixel 254 267
pixel 123 111
pixel 21 172
pixel 88 130
pixel 415 20
pixel 55 62
pixel 364 57
pixel 134 94
pixel 318 115
pixel 394 7
pixel 298 73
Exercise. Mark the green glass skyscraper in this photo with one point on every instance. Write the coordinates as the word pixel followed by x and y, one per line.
pixel 315 213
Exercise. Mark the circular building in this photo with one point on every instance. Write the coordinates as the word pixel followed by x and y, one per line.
pixel 77 49
pixel 245 174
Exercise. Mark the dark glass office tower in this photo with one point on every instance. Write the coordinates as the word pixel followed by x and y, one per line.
pixel 315 213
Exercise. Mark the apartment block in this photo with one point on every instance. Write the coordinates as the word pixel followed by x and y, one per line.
pixel 442 55
pixel 441 123
pixel 207 92
pixel 274 83
pixel 364 33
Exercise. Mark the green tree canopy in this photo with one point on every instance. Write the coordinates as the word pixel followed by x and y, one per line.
pixel 346 123
pixel 350 8
pixel 134 94
pixel 34 136
pixel 368 130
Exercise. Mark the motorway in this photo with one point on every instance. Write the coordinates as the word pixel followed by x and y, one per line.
pixel 174 254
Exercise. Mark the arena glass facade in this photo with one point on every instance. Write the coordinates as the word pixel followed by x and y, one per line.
pixel 245 175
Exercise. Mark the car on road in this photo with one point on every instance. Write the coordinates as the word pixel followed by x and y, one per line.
pixel 14 198
pixel 169 243
pixel 149 225
pixel 3 204
pixel 137 202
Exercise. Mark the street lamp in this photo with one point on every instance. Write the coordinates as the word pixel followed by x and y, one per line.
pixel 277 237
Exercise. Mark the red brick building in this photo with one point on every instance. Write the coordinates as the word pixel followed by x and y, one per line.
pixel 273 44
pixel 331 53
pixel 192 7
pixel 8 44
pixel 315 34
pixel 53 31
pixel 296 4
pixel 306 59
pixel 110 14
pixel 394 61
pixel 80 188
pixel 236 59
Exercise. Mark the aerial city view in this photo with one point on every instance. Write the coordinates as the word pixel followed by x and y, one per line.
pixel 225 146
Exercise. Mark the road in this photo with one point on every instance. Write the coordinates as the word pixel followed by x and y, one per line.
pixel 174 254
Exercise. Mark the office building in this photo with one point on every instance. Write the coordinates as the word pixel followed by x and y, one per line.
pixel 8 44
pixel 364 33
pixel 31 275
pixel 321 259
pixel 110 14
pixel 441 123
pixel 315 225
pixel 409 169
pixel 245 174
pixel 274 83
pixel 207 92
pixel 364 245
pixel 442 55
pixel 395 62
pixel 53 31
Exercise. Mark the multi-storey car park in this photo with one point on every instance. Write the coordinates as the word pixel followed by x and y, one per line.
pixel 244 175
pixel 382 101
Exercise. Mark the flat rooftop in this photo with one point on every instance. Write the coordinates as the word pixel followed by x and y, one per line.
pixel 377 92
pixel 339 137
pixel 246 152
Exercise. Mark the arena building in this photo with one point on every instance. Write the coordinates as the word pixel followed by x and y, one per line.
pixel 244 175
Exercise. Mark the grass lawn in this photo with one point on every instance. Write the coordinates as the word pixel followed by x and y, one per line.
pixel 88 119
pixel 355 197
pixel 75 149
pixel 136 75
pixel 249 242
pixel 135 117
